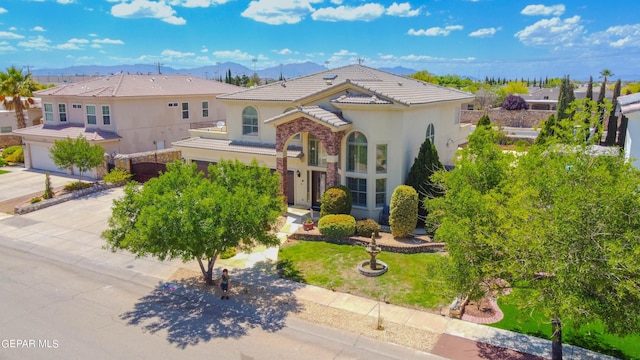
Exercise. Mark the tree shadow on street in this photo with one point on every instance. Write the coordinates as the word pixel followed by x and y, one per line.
pixel 190 311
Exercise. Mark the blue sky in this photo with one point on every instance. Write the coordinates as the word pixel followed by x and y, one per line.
pixel 465 37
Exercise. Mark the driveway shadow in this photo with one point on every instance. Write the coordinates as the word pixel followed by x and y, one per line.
pixel 190 311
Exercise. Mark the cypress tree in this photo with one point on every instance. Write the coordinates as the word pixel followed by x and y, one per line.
pixel 420 173
pixel 612 126
pixel 589 94
pixel 484 121
pixel 622 131
pixel 564 98
pixel 548 130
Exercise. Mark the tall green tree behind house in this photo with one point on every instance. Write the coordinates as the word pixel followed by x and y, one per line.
pixel 187 216
pixel 14 85
pixel 424 165
pixel 589 94
pixel 78 153
pixel 565 97
pixel 612 126
pixel 603 90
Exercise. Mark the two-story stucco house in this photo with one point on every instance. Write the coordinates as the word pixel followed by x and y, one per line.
pixel 124 113
pixel 353 125
pixel 629 106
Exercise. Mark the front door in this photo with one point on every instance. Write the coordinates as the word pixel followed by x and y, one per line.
pixel 318 185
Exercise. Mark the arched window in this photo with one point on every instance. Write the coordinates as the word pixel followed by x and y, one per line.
pixel 250 121
pixel 431 135
pixel 357 152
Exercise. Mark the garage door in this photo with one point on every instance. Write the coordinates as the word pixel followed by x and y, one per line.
pixel 40 159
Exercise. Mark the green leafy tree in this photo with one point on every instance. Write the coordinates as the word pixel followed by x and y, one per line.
pixel 566 222
pixel 403 214
pixel 425 164
pixel 78 153
pixel 14 85
pixel 631 88
pixel 184 215
pixel 612 126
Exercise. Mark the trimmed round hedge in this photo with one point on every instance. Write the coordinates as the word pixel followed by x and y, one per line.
pixel 336 200
pixel 403 215
pixel 337 225
pixel 367 227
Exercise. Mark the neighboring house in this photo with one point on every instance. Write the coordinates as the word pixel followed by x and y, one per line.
pixel 353 125
pixel 629 106
pixel 8 121
pixel 124 113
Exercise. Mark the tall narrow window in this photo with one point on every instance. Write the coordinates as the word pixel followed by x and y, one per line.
pixel 317 153
pixel 91 114
pixel 185 110
pixel 381 158
pixel 358 189
pixel 357 152
pixel 205 109
pixel 48 112
pixel 431 136
pixel 250 121
pixel 106 115
pixel 381 192
pixel 62 112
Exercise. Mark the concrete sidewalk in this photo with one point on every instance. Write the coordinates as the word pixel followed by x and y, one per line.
pixel 70 232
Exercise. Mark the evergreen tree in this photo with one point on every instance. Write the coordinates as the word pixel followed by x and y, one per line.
pixel 548 130
pixel 622 131
pixel 564 98
pixel 419 177
pixel 484 121
pixel 612 127
pixel 589 94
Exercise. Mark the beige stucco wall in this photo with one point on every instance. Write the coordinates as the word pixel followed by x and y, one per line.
pixel 632 139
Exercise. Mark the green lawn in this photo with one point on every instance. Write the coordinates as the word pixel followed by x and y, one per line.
pixel 590 336
pixel 3 171
pixel 412 279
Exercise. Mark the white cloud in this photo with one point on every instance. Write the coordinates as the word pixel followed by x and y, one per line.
pixel 147 9
pixel 284 51
pixel 278 12
pixel 621 36
pixel 93 35
pixel 554 31
pixel 38 28
pixel 235 55
pixel 542 10
pixel 108 41
pixel 3 10
pixel 197 3
pixel 38 43
pixel 344 53
pixel 366 12
pixel 78 41
pixel 6 48
pixel 176 54
pixel 204 49
pixel 435 31
pixel 336 2
pixel 65 2
pixel 486 32
pixel 402 10
pixel 10 35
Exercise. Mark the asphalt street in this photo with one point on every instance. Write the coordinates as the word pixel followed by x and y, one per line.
pixel 56 310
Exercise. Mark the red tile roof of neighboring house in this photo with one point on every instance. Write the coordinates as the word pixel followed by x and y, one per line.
pixel 134 85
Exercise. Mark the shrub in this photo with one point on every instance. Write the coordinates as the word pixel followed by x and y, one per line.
pixel 514 102
pixel 337 225
pixel 48 190
pixel 521 144
pixel 336 200
pixel 367 227
pixel 117 175
pixel 403 216
pixel 228 254
pixel 10 150
pixel 484 120
pixel 15 156
pixel 36 200
pixel 3 162
pixel 77 185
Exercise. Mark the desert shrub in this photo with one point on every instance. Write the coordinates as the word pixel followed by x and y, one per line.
pixel 10 150
pixel 367 227
pixel 229 253
pixel 77 185
pixel 336 200
pixel 117 175
pixel 403 216
pixel 35 200
pixel 337 225
pixel 15 156
pixel 3 162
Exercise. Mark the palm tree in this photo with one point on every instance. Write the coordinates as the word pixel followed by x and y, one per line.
pixel 13 86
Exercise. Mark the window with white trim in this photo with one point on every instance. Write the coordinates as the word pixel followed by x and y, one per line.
pixel 381 192
pixel 431 134
pixel 357 152
pixel 62 112
pixel 185 110
pixel 48 112
pixel 205 109
pixel 106 115
pixel 91 114
pixel 381 158
pixel 5 129
pixel 250 121
pixel 317 153
pixel 358 187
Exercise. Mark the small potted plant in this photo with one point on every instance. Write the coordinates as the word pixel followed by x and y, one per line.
pixel 308 224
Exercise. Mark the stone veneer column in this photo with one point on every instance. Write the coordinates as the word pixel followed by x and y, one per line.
pixel 332 171
pixel 281 166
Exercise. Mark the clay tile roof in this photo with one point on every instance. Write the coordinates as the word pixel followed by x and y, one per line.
pixel 380 83
pixel 66 131
pixel 360 99
pixel 236 146
pixel 317 113
pixel 134 85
